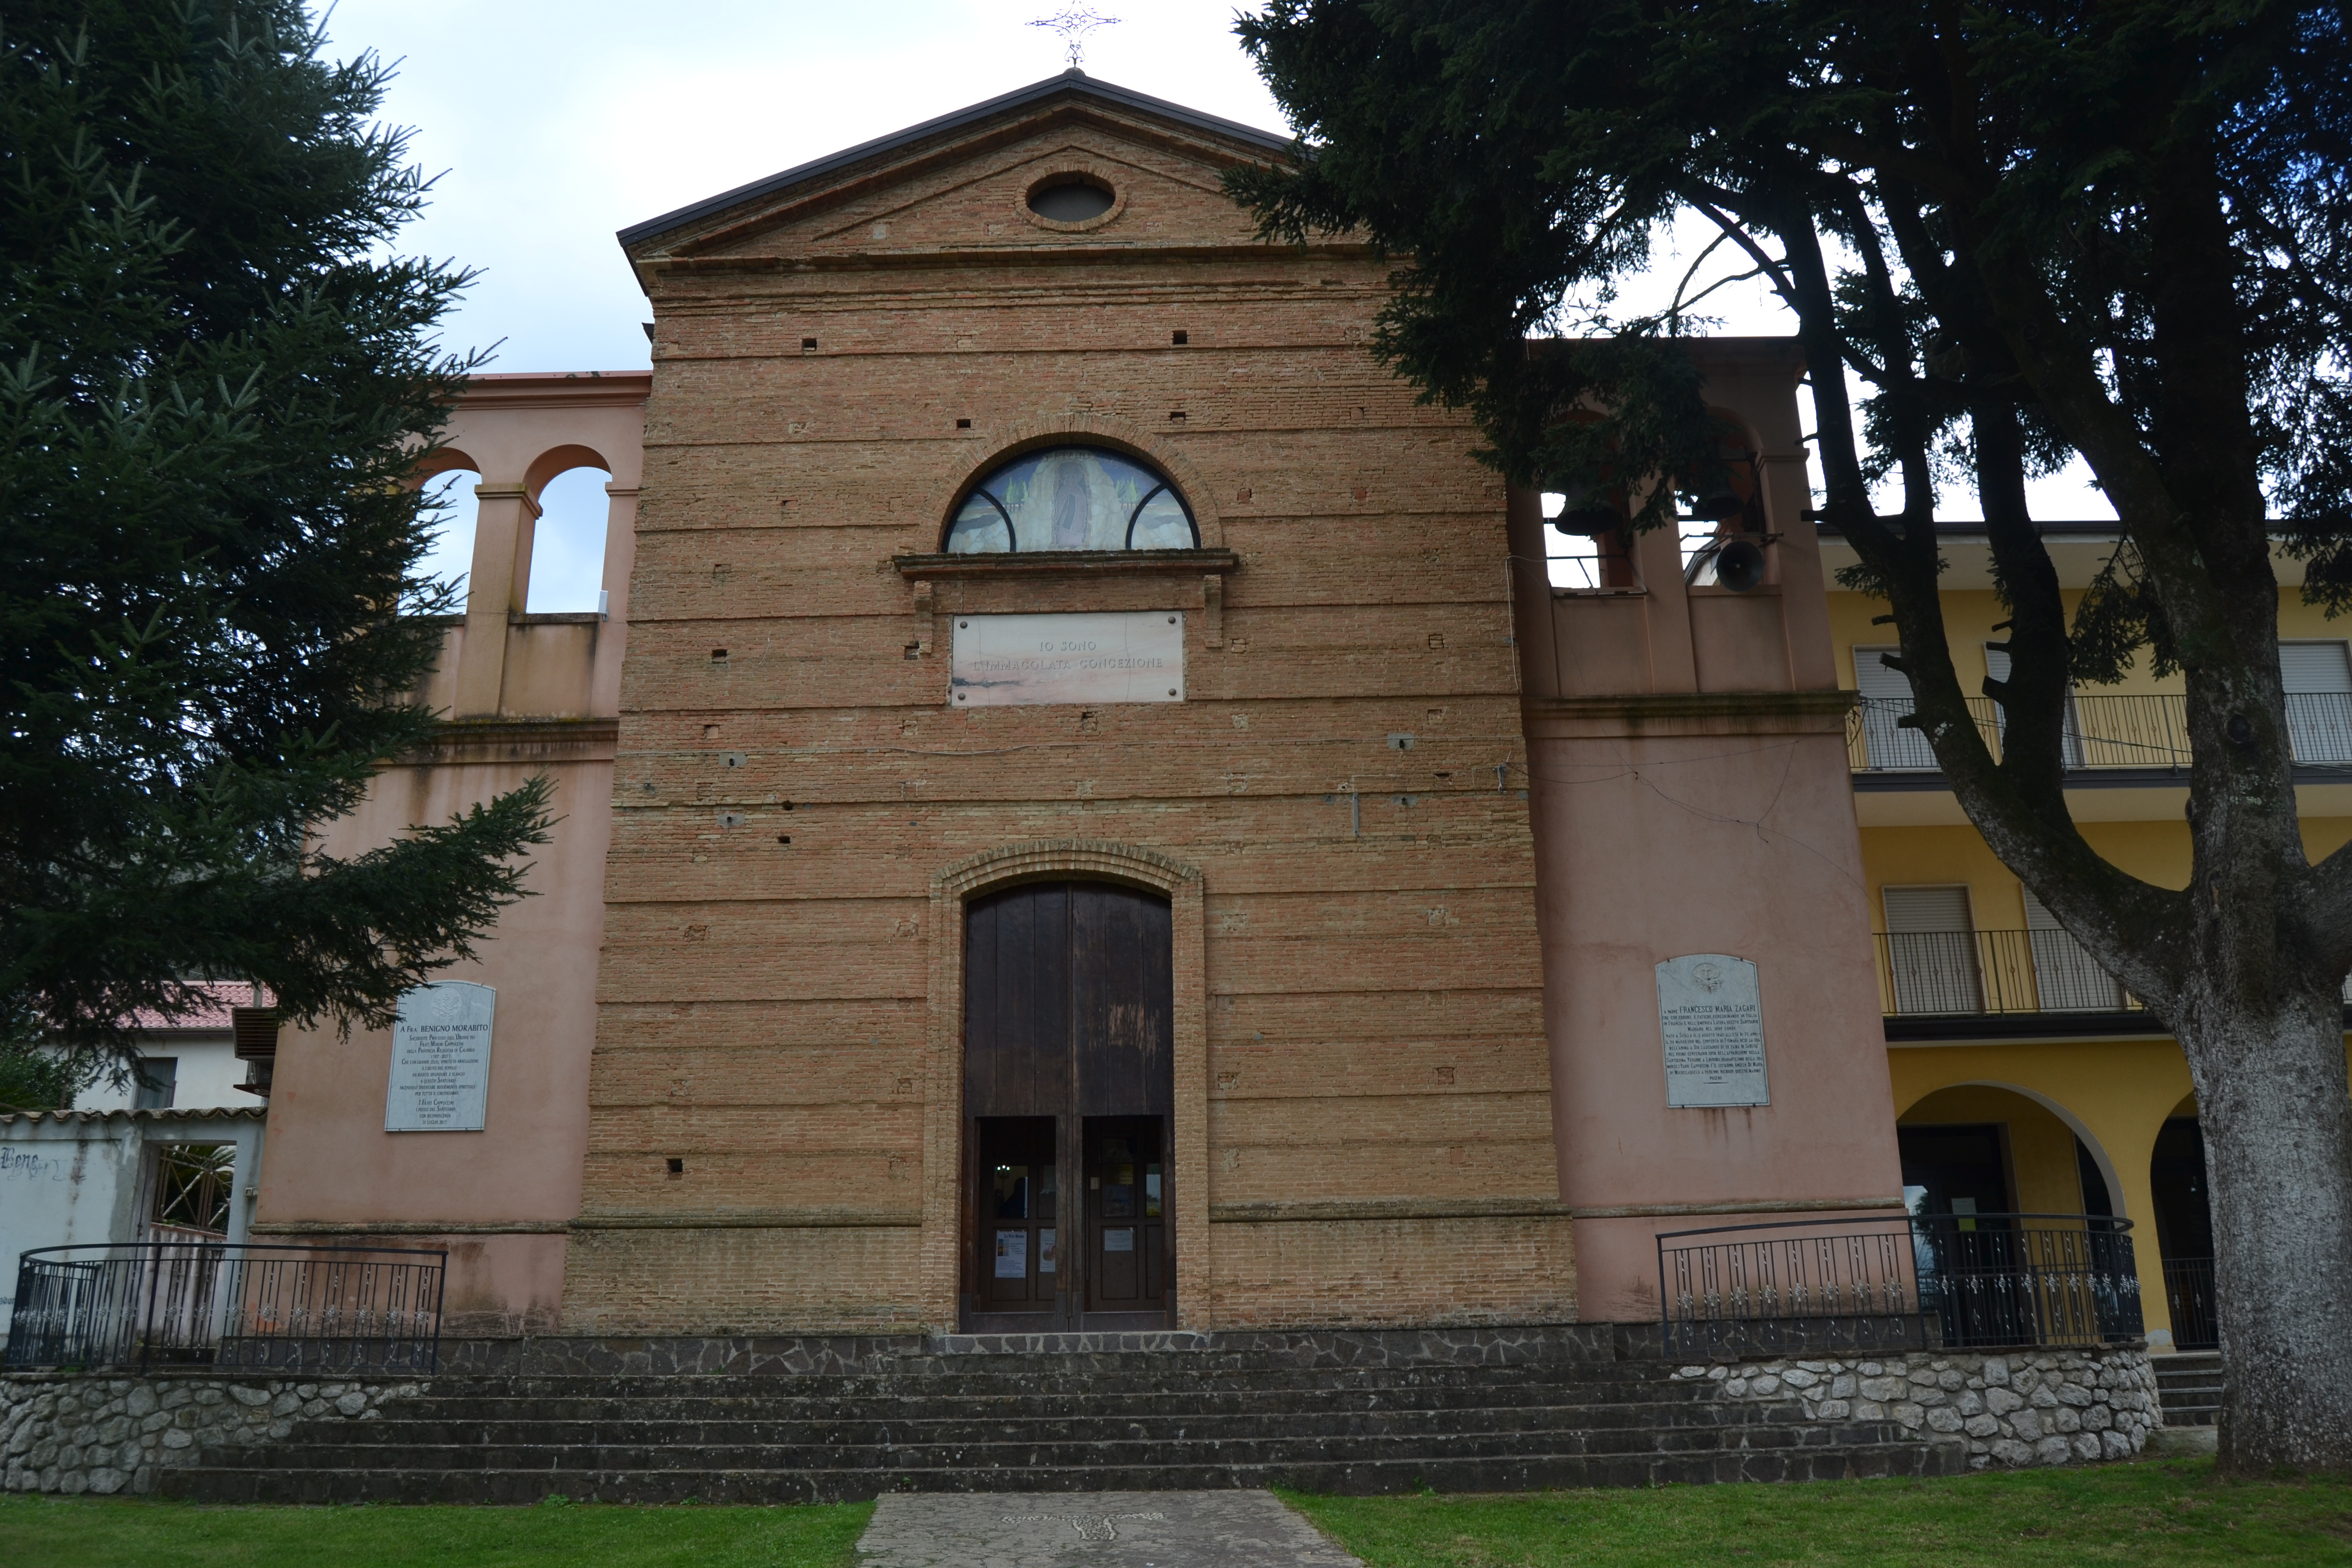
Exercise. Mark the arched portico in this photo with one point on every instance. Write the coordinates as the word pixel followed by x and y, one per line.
pixel 2113 1094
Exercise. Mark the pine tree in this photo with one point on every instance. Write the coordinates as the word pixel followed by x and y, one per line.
pixel 214 380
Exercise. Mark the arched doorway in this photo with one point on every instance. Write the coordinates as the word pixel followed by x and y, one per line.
pixel 2184 1228
pixel 2013 1213
pixel 1987 1148
pixel 1069 1085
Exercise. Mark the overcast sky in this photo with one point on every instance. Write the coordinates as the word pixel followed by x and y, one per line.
pixel 554 122
pixel 551 124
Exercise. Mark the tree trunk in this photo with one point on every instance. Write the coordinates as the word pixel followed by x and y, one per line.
pixel 2273 1097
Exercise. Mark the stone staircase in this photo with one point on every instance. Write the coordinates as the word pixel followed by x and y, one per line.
pixel 2189 1384
pixel 1496 1410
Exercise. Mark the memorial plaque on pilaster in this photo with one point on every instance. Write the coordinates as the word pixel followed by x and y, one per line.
pixel 1711 1022
pixel 441 1059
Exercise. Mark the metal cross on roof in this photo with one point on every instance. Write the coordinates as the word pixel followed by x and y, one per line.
pixel 1074 22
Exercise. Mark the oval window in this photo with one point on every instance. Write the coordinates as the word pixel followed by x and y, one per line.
pixel 1072 497
pixel 1069 201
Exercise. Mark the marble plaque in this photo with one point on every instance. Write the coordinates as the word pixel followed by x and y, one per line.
pixel 1004 661
pixel 441 1059
pixel 1711 1021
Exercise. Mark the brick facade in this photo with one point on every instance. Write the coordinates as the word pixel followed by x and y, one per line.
pixel 1344 781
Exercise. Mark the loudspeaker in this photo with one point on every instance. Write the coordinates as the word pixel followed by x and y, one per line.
pixel 1739 565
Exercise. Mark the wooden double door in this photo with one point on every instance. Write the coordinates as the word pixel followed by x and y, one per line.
pixel 1069 1082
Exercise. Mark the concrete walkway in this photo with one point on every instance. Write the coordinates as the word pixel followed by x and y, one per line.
pixel 1099 1530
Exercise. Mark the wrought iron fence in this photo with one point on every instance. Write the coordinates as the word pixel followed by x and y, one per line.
pixel 1808 1285
pixel 2189 1297
pixel 203 1303
pixel 1845 1285
pixel 2148 730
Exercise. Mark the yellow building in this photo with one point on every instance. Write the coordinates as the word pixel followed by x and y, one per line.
pixel 2026 1081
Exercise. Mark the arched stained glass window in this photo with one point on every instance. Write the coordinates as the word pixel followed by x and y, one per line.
pixel 1072 497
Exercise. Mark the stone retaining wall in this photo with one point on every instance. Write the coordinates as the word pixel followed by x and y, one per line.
pixel 74 1433
pixel 2032 1407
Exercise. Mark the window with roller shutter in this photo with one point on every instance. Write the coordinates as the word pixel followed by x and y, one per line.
pixel 1886 702
pixel 2066 978
pixel 2071 741
pixel 2316 678
pixel 1931 949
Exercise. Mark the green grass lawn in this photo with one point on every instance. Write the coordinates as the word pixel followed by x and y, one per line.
pixel 2154 1514
pixel 77 1532
pixel 2149 1515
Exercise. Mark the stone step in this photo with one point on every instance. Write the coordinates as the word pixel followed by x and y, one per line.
pixel 2188 1384
pixel 1520 1472
pixel 783 1404
pixel 811 1420
pixel 2199 1369
pixel 1250 1362
pixel 1169 1374
pixel 401 1447
pixel 917 1426
pixel 1024 1451
pixel 1324 1350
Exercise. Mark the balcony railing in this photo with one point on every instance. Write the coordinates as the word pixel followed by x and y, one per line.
pixel 197 1303
pixel 1828 1286
pixel 2101 732
pixel 1993 972
pixel 1975 973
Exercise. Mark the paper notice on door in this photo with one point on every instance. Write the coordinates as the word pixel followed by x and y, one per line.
pixel 1121 1240
pixel 1012 1255
pixel 1044 1252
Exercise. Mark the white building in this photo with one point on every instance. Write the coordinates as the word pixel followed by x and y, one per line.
pixel 72 1178
pixel 188 1063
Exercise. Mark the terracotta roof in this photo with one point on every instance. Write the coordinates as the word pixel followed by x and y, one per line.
pixel 213 1013
pixel 193 1113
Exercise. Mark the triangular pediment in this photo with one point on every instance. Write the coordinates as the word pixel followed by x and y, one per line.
pixel 961 182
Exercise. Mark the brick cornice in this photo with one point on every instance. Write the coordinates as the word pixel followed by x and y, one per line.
pixel 566 389
pixel 754 1219
pixel 518 740
pixel 1292 1211
pixel 1070 563
pixel 963 257
pixel 1822 712
pixel 368 1227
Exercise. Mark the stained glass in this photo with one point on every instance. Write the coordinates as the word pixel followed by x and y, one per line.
pixel 1071 498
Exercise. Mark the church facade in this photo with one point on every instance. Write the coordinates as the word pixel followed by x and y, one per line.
pixel 1086 808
